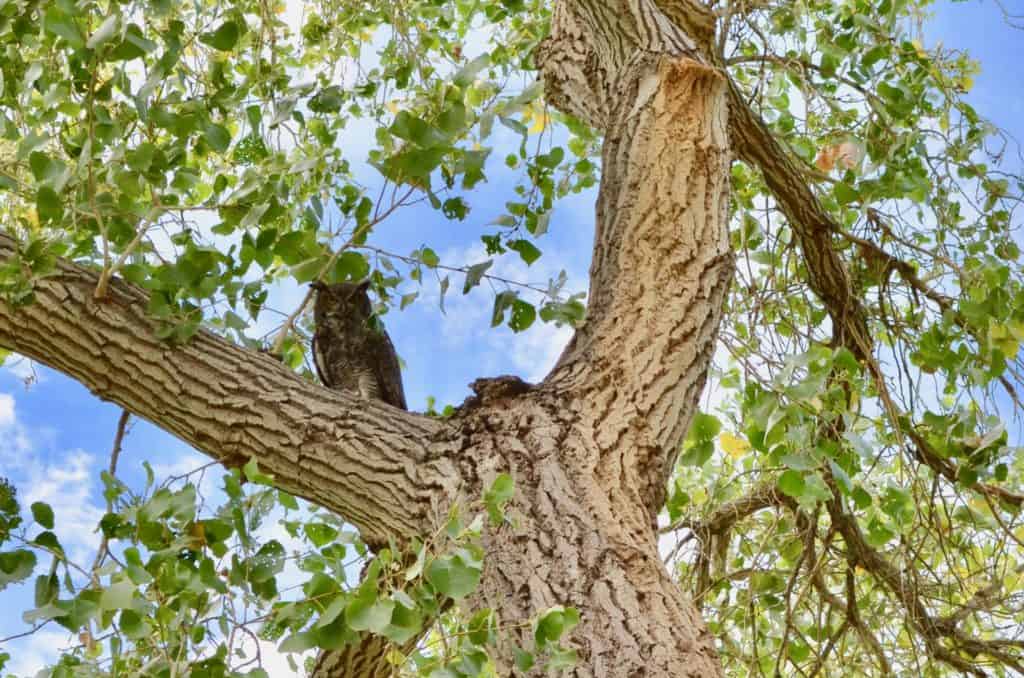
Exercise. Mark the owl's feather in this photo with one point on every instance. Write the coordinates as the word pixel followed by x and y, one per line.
pixel 351 351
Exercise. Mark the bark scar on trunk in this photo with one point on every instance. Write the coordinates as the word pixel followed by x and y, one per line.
pixel 492 389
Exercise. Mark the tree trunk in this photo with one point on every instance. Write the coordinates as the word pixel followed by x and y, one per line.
pixel 590 448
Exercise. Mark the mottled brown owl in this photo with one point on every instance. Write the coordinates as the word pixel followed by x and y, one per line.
pixel 351 350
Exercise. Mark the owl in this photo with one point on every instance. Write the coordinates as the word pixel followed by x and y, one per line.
pixel 351 350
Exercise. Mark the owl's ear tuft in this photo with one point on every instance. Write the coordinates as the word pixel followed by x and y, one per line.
pixel 318 286
pixel 364 285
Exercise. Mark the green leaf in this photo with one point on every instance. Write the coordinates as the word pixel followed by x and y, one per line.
pixel 134 46
pixel 217 136
pixel 878 534
pixel 502 302
pixel 367 612
pixel 43 514
pixel 298 642
pixel 697 453
pixel 561 659
pixel 553 159
pixel 133 625
pixel 224 38
pixel 570 313
pixel 474 274
pixel 428 257
pixel 455 208
pixel 842 477
pixel 406 624
pixel 118 596
pixel 46 589
pixel 792 483
pixel 861 497
pixel 465 75
pixel 60 24
pixel 497 495
pixel 524 660
pixel 526 249
pixel 328 100
pixel 104 32
pixel 523 315
pixel 414 164
pixel 254 475
pixel 704 427
pixel 16 566
pixel 47 170
pixel 412 128
pixel 553 624
pixel 332 612
pixel 455 576
pixel 845 194
pixel 320 534
pixel 48 205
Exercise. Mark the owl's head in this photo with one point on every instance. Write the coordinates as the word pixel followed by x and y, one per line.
pixel 341 300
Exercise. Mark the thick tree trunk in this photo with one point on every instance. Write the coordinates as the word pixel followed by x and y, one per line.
pixel 590 448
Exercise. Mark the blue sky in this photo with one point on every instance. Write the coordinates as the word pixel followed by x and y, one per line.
pixel 54 435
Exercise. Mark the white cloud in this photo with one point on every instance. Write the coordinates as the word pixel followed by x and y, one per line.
pixel 535 352
pixel 65 484
pixel 6 410
pixel 15 443
pixel 67 488
pixel 30 654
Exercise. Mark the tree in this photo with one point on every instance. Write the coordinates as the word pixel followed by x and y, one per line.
pixel 874 236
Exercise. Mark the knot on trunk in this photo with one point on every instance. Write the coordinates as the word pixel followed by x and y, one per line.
pixel 494 389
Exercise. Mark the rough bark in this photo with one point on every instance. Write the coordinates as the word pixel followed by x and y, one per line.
pixel 590 448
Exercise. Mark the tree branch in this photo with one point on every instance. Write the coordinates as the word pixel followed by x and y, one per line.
pixel 377 466
pixel 755 144
pixel 932 628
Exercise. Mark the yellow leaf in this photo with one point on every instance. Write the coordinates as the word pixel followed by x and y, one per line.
pixel 392 106
pixel 1006 338
pixel 539 117
pixel 734 446
pixel 920 48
